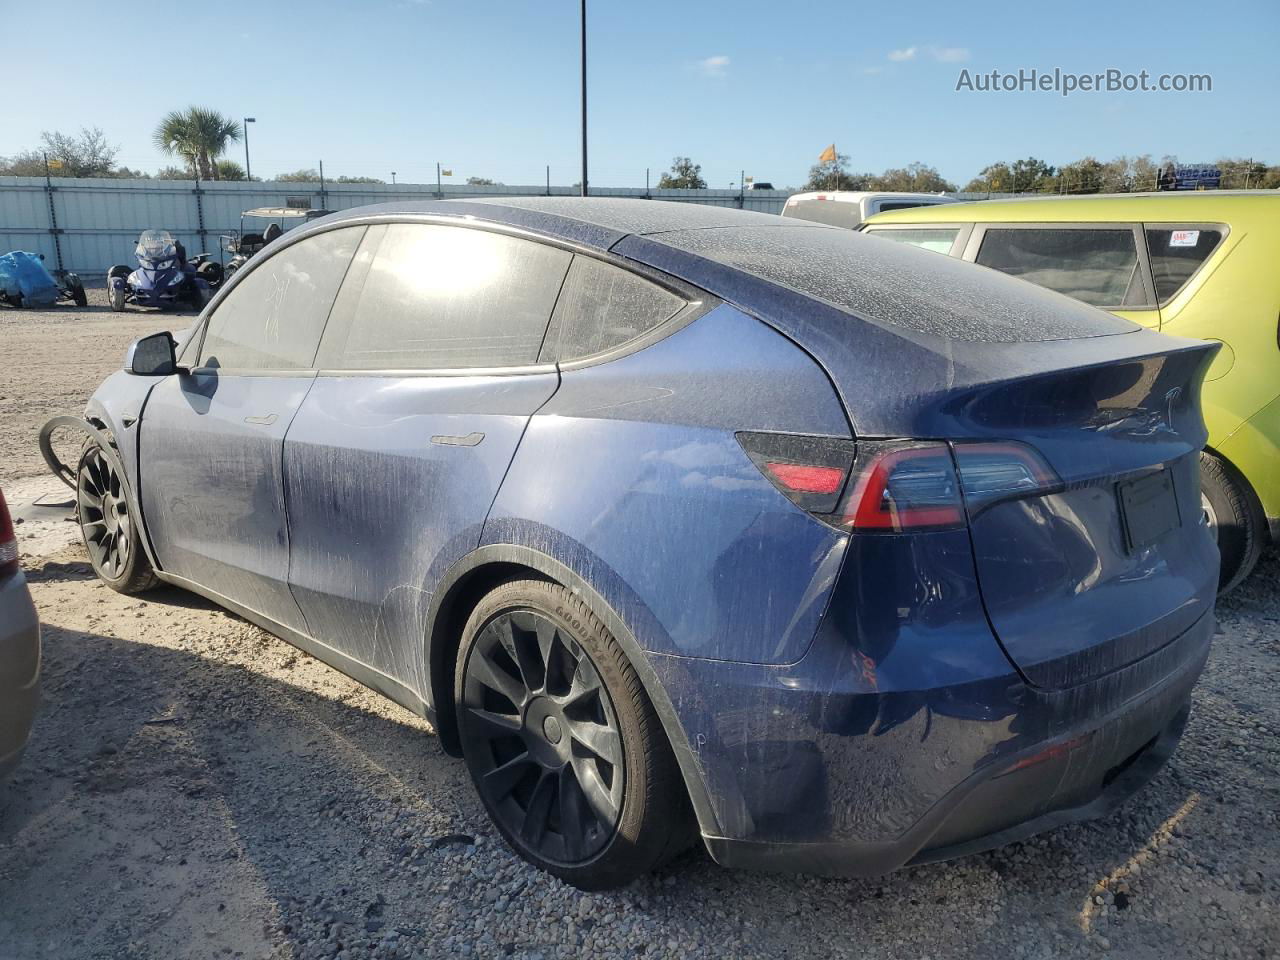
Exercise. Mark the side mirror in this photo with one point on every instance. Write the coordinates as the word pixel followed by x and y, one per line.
pixel 153 356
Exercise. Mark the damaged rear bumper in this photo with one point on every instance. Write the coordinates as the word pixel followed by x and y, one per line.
pixel 1046 771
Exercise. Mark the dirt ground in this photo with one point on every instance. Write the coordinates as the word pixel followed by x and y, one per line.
pixel 198 788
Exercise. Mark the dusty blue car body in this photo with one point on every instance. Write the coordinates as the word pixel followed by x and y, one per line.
pixel 839 701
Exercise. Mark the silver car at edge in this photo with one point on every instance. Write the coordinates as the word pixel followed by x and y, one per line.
pixel 19 650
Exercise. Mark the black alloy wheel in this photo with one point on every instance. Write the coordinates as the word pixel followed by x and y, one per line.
pixel 541 735
pixel 104 515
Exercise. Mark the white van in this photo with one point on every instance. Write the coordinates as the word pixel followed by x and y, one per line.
pixel 848 208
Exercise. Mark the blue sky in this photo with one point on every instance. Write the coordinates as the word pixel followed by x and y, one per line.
pixel 491 88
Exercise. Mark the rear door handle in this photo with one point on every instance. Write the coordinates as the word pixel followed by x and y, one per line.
pixel 266 421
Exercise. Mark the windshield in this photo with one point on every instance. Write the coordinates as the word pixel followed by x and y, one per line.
pixel 156 245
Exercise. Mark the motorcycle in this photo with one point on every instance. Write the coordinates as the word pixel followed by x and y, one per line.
pixel 165 277
pixel 25 281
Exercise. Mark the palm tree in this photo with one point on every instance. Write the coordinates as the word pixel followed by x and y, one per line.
pixel 199 136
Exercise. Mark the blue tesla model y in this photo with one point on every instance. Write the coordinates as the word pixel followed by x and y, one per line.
pixel 680 521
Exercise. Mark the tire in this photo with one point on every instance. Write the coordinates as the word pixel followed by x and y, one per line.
pixel 110 535
pixel 1234 515
pixel 117 297
pixel 78 296
pixel 210 272
pixel 563 746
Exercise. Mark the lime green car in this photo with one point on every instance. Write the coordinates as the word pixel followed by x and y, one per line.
pixel 1196 264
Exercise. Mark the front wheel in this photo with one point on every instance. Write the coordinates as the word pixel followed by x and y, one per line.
pixel 110 534
pixel 1234 516
pixel 117 296
pixel 563 745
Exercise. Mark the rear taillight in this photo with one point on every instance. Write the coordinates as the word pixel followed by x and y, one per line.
pixel 1006 470
pixel 8 542
pixel 810 471
pixel 897 486
pixel 903 485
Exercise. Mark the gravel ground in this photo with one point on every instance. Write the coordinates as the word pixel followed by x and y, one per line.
pixel 197 788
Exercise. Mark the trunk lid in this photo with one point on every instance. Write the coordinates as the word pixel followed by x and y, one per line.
pixel 1114 561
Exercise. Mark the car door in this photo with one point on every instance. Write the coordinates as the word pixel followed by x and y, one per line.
pixel 428 375
pixel 1102 264
pixel 212 440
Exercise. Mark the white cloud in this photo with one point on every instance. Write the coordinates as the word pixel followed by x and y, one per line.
pixel 714 66
pixel 932 51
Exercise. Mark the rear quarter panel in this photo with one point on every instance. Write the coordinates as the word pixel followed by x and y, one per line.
pixel 633 478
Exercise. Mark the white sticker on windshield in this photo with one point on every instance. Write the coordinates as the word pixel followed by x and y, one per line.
pixel 1184 238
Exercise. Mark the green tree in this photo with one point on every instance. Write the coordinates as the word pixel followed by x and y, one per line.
pixel 229 170
pixel 199 136
pixel 173 173
pixel 1082 176
pixel 358 180
pixel 482 182
pixel 86 154
pixel 683 175
pixel 308 175
pixel 1021 176
pixel 913 178
pixel 836 176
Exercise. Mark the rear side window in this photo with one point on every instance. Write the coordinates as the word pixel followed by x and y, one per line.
pixel 602 307
pixel 884 206
pixel 937 239
pixel 1176 254
pixel 273 318
pixel 835 213
pixel 438 297
pixel 1100 267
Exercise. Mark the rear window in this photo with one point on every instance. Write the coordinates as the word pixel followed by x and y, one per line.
pixel 835 213
pixel 886 205
pixel 937 239
pixel 1100 267
pixel 1176 254
pixel 896 285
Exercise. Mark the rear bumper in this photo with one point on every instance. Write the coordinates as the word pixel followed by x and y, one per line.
pixel 19 669
pixel 964 783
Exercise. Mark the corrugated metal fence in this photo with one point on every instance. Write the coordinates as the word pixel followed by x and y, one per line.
pixel 89 224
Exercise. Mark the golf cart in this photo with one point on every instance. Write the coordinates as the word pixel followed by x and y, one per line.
pixel 245 245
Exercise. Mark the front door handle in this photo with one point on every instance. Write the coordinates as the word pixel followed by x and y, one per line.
pixel 266 421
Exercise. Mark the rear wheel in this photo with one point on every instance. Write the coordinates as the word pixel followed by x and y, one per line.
pixel 562 743
pixel 1234 516
pixel 110 534
pixel 78 296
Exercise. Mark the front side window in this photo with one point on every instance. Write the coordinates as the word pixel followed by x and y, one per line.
pixel 440 297
pixel 937 239
pixel 1100 267
pixel 273 318
pixel 602 307
pixel 1176 253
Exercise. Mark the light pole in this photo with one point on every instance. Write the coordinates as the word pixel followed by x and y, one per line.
pixel 247 120
pixel 584 97
pixel 393 176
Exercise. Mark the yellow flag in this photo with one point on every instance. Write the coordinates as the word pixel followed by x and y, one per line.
pixel 55 163
pixel 828 155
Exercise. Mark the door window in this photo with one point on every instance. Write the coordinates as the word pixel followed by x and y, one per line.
pixel 603 306
pixel 273 318
pixel 1176 254
pixel 439 297
pixel 1100 267
pixel 937 239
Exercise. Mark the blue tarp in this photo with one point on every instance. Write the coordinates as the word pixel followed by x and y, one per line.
pixel 24 273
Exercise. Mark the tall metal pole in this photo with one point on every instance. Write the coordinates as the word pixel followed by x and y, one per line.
pixel 584 97
pixel 248 173
pixel 439 188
